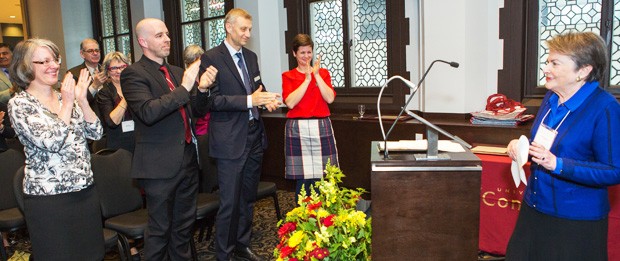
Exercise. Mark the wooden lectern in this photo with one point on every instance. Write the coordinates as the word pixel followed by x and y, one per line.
pixel 425 209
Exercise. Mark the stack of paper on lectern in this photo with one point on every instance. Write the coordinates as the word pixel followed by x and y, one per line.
pixel 421 145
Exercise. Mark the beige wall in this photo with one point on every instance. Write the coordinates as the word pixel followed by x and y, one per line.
pixel 45 22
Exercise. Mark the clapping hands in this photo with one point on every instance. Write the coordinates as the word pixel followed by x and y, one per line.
pixel 71 91
pixel 205 81
pixel 99 79
pixel 267 99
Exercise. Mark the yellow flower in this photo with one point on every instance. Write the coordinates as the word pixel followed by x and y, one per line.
pixel 333 226
pixel 309 246
pixel 322 213
pixel 322 236
pixel 295 212
pixel 359 218
pixel 295 239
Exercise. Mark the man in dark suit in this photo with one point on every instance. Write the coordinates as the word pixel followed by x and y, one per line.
pixel 165 160
pixel 236 134
pixel 6 56
pixel 90 52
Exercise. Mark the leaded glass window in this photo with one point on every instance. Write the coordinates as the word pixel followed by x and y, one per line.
pixel 327 33
pixel 614 70
pixel 115 27
pixel 369 59
pixel 366 39
pixel 203 19
pixel 557 17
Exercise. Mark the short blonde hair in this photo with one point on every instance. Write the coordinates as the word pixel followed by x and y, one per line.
pixel 584 48
pixel 21 70
pixel 191 53
pixel 113 56
pixel 235 13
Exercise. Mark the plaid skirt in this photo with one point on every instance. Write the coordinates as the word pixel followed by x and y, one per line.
pixel 308 145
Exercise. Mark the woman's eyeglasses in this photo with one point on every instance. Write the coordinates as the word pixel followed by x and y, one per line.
pixel 120 67
pixel 48 62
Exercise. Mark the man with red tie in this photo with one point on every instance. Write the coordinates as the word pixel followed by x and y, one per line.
pixel 165 163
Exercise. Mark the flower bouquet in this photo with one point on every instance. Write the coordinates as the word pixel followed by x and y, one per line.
pixel 326 225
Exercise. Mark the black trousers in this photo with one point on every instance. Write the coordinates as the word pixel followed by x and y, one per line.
pixel 171 204
pixel 238 180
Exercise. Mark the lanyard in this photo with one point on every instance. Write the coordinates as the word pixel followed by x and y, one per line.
pixel 542 122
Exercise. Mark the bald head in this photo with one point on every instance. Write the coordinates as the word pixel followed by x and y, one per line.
pixel 153 38
pixel 88 41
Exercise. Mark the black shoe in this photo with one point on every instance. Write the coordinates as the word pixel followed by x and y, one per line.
pixel 245 253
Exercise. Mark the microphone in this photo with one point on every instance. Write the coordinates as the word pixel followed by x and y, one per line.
pixel 415 89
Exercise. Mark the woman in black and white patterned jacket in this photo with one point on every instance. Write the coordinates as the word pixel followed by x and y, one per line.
pixel 60 205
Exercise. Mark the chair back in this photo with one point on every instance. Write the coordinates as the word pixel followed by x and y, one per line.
pixel 116 189
pixel 18 187
pixel 10 161
pixel 99 144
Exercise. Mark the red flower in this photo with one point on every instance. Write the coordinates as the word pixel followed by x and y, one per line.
pixel 286 228
pixel 293 259
pixel 320 253
pixel 286 251
pixel 328 221
pixel 307 199
pixel 314 206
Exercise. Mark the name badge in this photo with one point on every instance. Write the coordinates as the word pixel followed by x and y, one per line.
pixel 257 78
pixel 127 126
pixel 545 136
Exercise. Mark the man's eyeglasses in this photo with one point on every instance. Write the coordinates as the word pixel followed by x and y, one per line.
pixel 120 67
pixel 91 51
pixel 48 62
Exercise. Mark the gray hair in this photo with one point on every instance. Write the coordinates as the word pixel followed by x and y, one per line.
pixel 21 70
pixel 191 53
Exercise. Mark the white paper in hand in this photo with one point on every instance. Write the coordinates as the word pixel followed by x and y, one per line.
pixel 516 168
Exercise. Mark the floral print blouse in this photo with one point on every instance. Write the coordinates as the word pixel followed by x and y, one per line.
pixel 57 155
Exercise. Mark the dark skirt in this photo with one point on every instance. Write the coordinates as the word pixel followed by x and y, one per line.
pixel 65 226
pixel 538 236
pixel 308 145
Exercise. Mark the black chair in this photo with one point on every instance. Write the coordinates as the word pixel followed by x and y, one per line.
pixel 207 205
pixel 110 237
pixel 121 201
pixel 11 218
pixel 269 189
pixel 99 144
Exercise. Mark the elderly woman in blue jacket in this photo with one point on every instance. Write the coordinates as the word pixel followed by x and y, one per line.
pixel 575 155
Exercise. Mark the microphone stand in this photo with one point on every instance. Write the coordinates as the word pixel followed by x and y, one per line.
pixel 404 108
